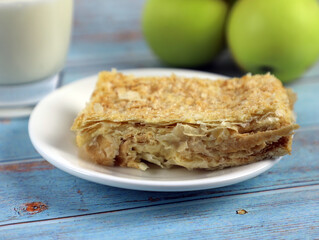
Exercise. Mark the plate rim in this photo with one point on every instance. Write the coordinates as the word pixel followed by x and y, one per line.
pixel 139 184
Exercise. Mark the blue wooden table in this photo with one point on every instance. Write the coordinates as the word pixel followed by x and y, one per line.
pixel 38 201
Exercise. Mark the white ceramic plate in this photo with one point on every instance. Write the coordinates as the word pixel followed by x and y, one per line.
pixel 49 129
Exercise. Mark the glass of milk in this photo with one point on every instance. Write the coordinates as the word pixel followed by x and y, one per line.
pixel 34 40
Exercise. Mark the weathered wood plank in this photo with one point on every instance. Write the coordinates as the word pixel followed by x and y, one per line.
pixel 14 140
pixel 107 35
pixel 96 53
pixel 106 29
pixel 23 183
pixel 277 214
pixel 100 16
pixel 307 105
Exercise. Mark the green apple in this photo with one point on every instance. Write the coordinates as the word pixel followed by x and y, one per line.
pixel 279 36
pixel 185 33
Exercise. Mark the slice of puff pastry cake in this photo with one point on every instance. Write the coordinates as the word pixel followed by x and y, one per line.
pixel 190 122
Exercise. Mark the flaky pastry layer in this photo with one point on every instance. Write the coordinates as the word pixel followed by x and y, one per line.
pixel 190 122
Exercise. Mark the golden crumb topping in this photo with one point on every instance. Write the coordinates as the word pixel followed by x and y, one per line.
pixel 167 100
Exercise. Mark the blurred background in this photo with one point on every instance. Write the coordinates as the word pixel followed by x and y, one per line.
pixel 108 34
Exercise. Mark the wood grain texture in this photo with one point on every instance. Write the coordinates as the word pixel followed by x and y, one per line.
pixel 24 182
pixel 106 30
pixel 307 105
pixel 279 214
pixel 15 143
pixel 38 201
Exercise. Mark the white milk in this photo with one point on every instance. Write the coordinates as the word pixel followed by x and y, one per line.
pixel 34 38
